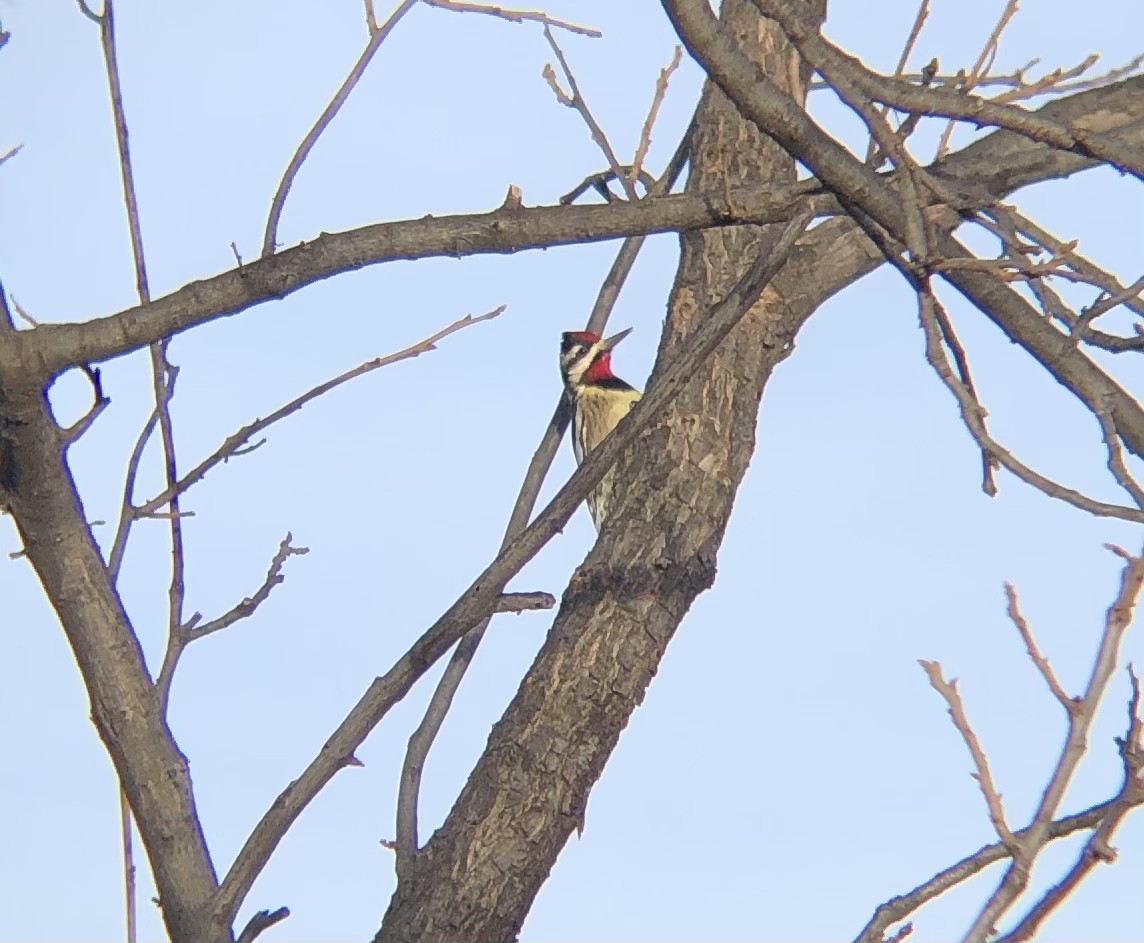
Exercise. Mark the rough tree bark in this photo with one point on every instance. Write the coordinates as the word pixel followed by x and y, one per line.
pixel 477 876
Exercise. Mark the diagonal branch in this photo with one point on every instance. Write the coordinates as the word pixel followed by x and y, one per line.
pixel 239 443
pixel 479 599
pixel 980 67
pixel 990 167
pixel 377 36
pixel 948 691
pixel 1080 719
pixel 192 630
pixel 898 908
pixel 514 16
pixel 576 101
pixel 1097 848
pixel 1039 660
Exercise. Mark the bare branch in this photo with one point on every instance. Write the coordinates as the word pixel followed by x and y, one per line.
pixel 10 153
pixel 1039 660
pixel 1116 463
pixel 239 442
pixel 515 16
pixel 23 315
pixel 1100 81
pixel 524 602
pixel 54 347
pixel 599 183
pixel 1080 720
pixel 898 908
pixel 1098 848
pixel 260 922
pixel 250 604
pixel 127 846
pixel 87 11
pixel 127 515
pixel 99 403
pixel 915 30
pixel 989 464
pixel 183 635
pixel 371 24
pixel 649 122
pixel 948 690
pixel 576 101
pixel 988 53
pixel 377 36
pixel 973 415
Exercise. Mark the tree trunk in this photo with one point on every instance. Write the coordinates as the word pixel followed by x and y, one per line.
pixel 480 872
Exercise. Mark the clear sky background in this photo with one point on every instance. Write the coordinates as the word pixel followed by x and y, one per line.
pixel 790 767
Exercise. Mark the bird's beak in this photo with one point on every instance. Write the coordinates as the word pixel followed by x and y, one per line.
pixel 610 342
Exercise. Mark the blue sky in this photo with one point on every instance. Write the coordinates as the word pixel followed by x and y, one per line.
pixel 790 767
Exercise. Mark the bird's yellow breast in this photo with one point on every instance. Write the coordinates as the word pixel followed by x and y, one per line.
pixel 597 413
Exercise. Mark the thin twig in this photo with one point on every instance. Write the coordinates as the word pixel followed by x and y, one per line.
pixel 370 18
pixel 197 629
pixel 191 631
pixel 99 403
pixel 376 38
pixel 1116 463
pixel 649 122
pixel 915 31
pixel 1009 226
pixel 948 690
pixel 1097 848
pixel 239 442
pixel 22 314
pixel 1039 660
pixel 126 841
pixel 898 908
pixel 127 515
pixel 89 12
pixel 421 740
pixel 599 183
pixel 988 52
pixel 989 464
pixel 973 415
pixel 576 101
pixel 1107 78
pixel 10 153
pixel 515 16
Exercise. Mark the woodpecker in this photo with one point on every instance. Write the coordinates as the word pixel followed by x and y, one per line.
pixel 599 399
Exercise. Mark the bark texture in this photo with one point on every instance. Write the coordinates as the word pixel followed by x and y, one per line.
pixel 478 875
pixel 41 495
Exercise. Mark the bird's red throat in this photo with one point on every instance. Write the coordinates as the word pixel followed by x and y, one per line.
pixel 601 369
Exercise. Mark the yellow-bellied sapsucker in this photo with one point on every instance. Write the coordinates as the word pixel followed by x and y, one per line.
pixel 599 400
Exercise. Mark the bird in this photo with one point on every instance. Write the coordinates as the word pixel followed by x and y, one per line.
pixel 599 400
